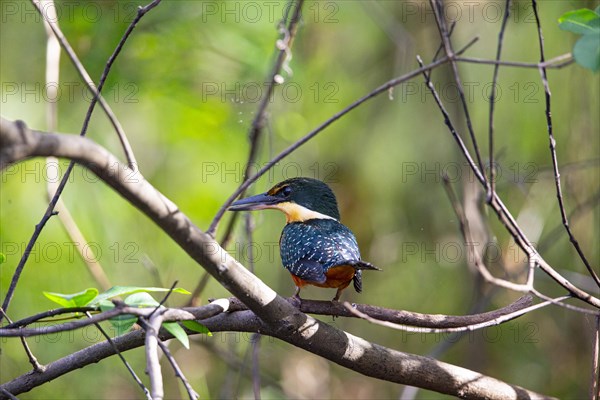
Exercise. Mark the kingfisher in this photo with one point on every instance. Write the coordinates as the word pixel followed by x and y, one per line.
pixel 315 247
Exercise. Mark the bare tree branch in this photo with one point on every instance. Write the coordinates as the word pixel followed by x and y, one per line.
pixel 476 258
pixel 37 367
pixel 556 62
pixel 438 7
pixel 168 314
pixel 466 328
pixel 403 317
pixel 492 168
pixel 559 195
pixel 595 385
pixel 318 307
pixel 256 127
pixel 178 372
pixel 153 369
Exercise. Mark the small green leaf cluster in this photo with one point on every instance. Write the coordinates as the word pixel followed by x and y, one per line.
pixel 136 297
pixel 584 22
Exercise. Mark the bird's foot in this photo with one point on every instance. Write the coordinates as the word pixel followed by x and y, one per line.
pixel 296 300
pixel 336 299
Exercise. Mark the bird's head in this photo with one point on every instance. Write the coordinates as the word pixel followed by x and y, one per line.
pixel 300 199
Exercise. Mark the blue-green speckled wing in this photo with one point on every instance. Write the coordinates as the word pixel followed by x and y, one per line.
pixel 310 248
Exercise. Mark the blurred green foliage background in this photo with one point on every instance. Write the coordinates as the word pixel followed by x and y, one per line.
pixel 186 88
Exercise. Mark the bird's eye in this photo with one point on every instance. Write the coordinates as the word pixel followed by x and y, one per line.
pixel 286 191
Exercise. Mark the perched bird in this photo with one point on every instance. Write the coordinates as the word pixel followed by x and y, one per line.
pixel 315 247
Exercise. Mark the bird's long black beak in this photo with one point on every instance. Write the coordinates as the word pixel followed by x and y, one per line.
pixel 258 202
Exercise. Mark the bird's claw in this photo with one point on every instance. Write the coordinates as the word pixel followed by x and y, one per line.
pixel 296 301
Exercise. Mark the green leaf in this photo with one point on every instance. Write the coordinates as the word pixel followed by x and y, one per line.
pixel 141 300
pixel 178 332
pixel 587 51
pixel 581 21
pixel 121 323
pixel 106 305
pixel 80 299
pixel 196 327
pixel 127 290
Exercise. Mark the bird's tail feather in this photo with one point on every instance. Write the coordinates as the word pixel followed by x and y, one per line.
pixel 363 265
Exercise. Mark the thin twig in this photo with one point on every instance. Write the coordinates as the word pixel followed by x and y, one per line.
pixel 139 15
pixel 441 46
pixel 37 367
pixel 51 313
pixel 577 212
pixel 469 243
pixel 168 314
pixel 595 385
pixel 402 317
pixel 556 62
pixel 437 7
pixel 492 179
pixel 283 47
pixel 87 80
pixel 165 298
pixel 467 328
pixel 122 358
pixel 255 365
pixel 559 195
pixel 564 305
pixel 178 372
pixel 8 394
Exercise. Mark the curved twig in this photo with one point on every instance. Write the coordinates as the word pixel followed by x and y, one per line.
pixel 437 321
pixel 559 195
pixel 168 314
pixel 557 62
pixel 465 328
pixel 492 172
pixel 437 7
